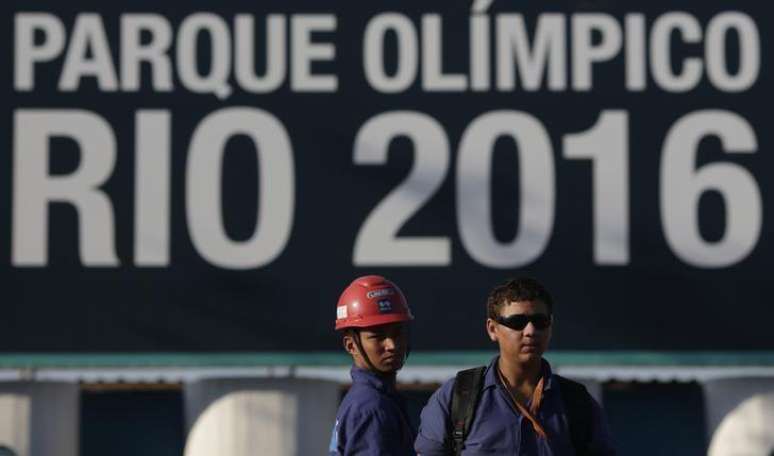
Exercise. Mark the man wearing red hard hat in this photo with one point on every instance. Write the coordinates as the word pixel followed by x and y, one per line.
pixel 373 315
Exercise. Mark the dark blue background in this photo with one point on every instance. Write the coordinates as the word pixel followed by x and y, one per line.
pixel 657 302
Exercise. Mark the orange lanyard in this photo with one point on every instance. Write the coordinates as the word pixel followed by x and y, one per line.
pixel 531 413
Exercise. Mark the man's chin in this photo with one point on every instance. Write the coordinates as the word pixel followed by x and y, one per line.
pixel 530 355
pixel 390 366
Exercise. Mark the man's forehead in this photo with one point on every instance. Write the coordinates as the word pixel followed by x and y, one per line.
pixel 527 305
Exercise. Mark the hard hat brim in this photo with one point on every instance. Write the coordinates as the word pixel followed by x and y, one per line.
pixel 376 320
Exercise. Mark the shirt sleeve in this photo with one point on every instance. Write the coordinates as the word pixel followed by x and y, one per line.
pixel 601 440
pixel 433 427
pixel 372 433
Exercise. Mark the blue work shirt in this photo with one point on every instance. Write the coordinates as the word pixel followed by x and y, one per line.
pixel 498 429
pixel 372 419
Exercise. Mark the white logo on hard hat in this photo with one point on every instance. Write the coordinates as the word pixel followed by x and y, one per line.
pixel 380 293
pixel 385 306
pixel 341 312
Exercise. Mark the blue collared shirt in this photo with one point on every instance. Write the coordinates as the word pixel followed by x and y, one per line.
pixel 372 419
pixel 498 429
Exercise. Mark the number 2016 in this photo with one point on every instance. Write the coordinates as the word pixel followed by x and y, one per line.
pixel 606 144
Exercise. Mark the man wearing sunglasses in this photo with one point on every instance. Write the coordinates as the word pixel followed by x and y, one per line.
pixel 373 315
pixel 515 405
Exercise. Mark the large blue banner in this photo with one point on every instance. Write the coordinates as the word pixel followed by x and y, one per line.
pixel 186 176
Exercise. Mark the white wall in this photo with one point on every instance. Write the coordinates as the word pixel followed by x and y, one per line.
pixel 245 417
pixel 40 418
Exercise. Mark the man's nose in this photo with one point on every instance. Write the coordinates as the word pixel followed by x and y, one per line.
pixel 389 344
pixel 530 329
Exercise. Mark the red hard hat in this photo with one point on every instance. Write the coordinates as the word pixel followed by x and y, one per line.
pixel 370 301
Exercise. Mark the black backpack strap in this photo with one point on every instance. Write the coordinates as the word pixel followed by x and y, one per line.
pixel 579 408
pixel 465 394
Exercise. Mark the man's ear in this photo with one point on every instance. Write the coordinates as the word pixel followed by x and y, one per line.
pixel 349 344
pixel 491 328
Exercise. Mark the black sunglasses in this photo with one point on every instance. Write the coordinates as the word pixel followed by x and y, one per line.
pixel 519 321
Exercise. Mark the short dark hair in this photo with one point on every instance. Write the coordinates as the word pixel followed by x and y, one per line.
pixel 515 290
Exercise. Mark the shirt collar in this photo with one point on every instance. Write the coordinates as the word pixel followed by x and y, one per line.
pixel 380 382
pixel 491 380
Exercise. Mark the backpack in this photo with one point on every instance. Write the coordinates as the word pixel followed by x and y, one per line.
pixel 467 389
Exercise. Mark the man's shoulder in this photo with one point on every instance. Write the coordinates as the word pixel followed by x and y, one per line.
pixel 363 403
pixel 444 393
pixel 562 380
pixel 440 401
pixel 572 390
pixel 362 397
